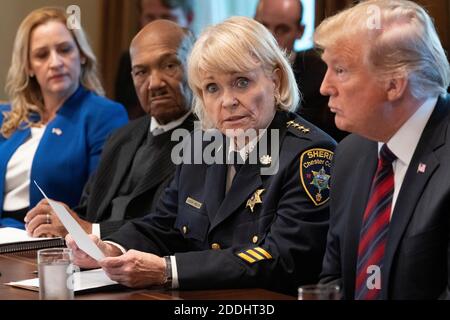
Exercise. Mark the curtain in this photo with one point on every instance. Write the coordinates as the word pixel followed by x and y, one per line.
pixel 327 8
pixel 119 23
pixel 440 12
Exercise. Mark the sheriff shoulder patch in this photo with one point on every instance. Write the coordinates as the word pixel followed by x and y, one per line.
pixel 315 166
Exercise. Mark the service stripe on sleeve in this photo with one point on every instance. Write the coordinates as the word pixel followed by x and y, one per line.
pixel 246 257
pixel 263 252
pixel 255 255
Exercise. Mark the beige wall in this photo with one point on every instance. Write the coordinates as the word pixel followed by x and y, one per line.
pixel 13 11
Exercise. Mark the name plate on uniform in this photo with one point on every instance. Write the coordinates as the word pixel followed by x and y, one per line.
pixel 193 203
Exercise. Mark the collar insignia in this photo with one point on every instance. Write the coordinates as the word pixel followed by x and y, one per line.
pixel 254 199
pixel 265 159
pixel 297 126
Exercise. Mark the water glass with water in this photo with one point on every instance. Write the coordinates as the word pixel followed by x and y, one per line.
pixel 56 270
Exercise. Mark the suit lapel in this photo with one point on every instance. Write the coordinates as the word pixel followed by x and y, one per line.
pixel 157 171
pixel 126 152
pixel 162 165
pixel 364 172
pixel 245 183
pixel 216 179
pixel 414 182
pixel 216 176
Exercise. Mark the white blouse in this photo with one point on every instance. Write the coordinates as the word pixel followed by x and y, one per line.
pixel 18 171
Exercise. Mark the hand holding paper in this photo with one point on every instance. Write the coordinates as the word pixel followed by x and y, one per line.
pixel 83 260
pixel 79 236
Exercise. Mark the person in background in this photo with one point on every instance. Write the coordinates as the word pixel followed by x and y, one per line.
pixel 136 165
pixel 283 18
pixel 387 79
pixel 55 127
pixel 179 11
pixel 231 224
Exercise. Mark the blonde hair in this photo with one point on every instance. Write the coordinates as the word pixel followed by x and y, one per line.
pixel 23 91
pixel 239 44
pixel 399 41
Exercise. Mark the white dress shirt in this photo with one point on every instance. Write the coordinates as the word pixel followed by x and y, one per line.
pixel 404 142
pixel 18 172
pixel 157 129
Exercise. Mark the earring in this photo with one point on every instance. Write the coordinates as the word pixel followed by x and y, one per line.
pixel 31 75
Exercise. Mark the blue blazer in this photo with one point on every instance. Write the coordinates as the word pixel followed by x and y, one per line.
pixel 69 150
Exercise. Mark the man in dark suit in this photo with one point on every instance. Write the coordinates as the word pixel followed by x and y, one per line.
pixel 136 162
pixel 283 18
pixel 179 11
pixel 387 81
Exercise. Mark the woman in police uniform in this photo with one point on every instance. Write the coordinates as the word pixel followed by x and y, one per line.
pixel 260 222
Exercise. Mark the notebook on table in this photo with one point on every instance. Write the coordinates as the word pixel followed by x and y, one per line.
pixel 84 282
pixel 14 240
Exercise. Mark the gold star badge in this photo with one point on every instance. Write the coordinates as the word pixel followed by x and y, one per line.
pixel 320 181
pixel 254 199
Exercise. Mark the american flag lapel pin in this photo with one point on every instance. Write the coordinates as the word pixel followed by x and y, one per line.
pixel 421 168
pixel 57 131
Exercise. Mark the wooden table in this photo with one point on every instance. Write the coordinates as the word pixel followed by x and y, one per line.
pixel 21 265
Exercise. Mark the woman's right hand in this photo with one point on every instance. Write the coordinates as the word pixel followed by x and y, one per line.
pixel 41 221
pixel 83 260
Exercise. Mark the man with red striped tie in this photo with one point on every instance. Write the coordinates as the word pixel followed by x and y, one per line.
pixel 387 79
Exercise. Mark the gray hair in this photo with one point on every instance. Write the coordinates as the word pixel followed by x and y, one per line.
pixel 401 41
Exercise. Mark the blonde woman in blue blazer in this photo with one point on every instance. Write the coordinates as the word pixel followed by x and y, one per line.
pixel 55 127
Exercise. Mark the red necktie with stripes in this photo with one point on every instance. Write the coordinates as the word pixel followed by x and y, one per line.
pixel 375 226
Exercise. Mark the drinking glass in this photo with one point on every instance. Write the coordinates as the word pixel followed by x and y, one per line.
pixel 56 270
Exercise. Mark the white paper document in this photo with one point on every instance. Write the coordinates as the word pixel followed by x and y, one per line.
pixel 84 280
pixel 80 237
pixel 12 235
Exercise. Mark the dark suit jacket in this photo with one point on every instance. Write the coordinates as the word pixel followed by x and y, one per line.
pixel 192 221
pixel 309 71
pixel 115 163
pixel 417 254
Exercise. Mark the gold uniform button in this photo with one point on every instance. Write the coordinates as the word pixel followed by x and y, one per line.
pixel 255 239
pixel 185 229
pixel 215 246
